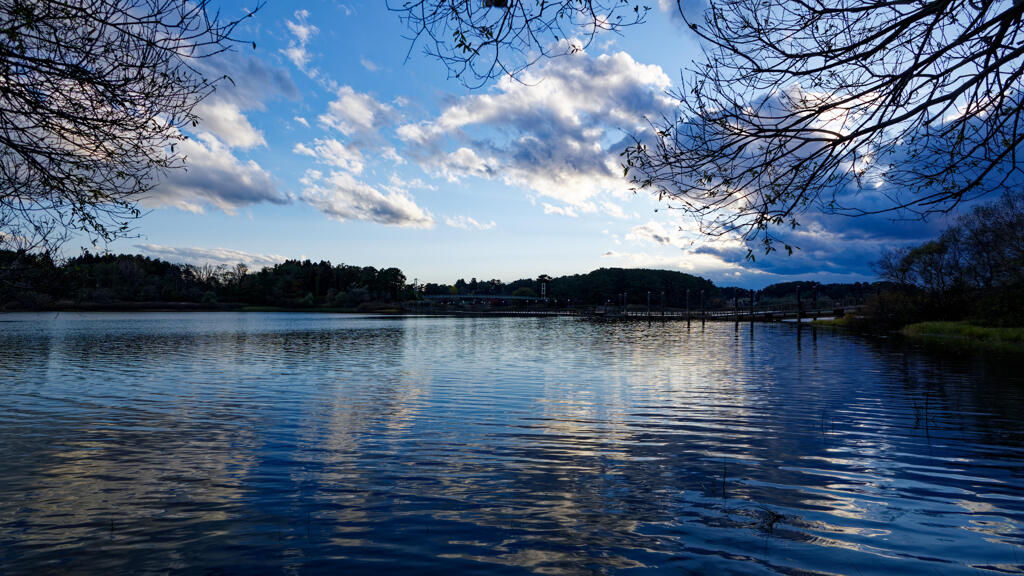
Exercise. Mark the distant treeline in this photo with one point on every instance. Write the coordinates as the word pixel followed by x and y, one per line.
pixel 35 281
pixel 594 288
pixel 973 271
pixel 610 285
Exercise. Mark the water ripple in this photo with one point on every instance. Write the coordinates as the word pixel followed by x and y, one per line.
pixel 305 443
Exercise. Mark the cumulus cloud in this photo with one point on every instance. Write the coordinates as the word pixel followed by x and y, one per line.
pixel 831 244
pixel 357 115
pixel 302 31
pixel 252 84
pixel 226 120
pixel 333 153
pixel 214 176
pixel 341 196
pixel 723 271
pixel 866 179
pixel 828 245
pixel 389 153
pixel 397 181
pixel 560 210
pixel 827 248
pixel 826 252
pixel 215 256
pixel 465 162
pixel 690 262
pixel 652 232
pixel 612 209
pixel 558 133
pixel 468 223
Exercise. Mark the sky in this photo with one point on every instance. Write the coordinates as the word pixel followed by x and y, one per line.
pixel 339 139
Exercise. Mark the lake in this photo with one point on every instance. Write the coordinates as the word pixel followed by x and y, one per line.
pixel 319 443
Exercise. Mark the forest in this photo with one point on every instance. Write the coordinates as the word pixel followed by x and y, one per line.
pixel 32 281
pixel 110 281
pixel 973 271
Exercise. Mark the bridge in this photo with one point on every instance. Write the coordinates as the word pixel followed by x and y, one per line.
pixel 730 315
pixel 616 313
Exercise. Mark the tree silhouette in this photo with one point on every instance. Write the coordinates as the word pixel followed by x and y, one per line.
pixel 847 106
pixel 479 40
pixel 93 94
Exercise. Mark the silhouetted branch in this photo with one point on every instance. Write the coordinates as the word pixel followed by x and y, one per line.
pixel 479 40
pixel 852 107
pixel 93 95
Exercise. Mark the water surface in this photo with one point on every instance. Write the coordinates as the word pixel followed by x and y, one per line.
pixel 315 443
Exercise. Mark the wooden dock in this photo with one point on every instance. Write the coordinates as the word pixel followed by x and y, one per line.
pixel 731 315
pixel 618 315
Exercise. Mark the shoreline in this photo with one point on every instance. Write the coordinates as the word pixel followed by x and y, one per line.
pixel 954 336
pixel 198 307
pixel 967 337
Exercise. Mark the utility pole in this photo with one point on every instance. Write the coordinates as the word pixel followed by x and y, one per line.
pixel 687 306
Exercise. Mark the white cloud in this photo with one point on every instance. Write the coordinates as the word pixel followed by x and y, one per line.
pixel 333 153
pixel 397 181
pixel 341 196
pixel 368 64
pixel 302 121
pixel 614 210
pixel 214 176
pixel 468 223
pixel 252 84
pixel 413 133
pixel 561 210
pixel 389 153
pixel 465 162
pixel 357 115
pixel 195 255
pixel 297 54
pixel 689 262
pixel 558 133
pixel 650 232
pixel 303 32
pixel 225 120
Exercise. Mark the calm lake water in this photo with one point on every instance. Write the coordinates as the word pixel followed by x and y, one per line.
pixel 315 443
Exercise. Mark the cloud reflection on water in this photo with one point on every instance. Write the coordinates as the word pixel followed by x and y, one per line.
pixel 547 446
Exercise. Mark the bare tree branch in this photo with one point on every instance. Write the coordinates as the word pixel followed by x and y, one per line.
pixel 479 40
pixel 830 105
pixel 848 107
pixel 93 96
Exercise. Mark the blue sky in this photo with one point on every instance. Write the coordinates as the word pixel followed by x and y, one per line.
pixel 336 142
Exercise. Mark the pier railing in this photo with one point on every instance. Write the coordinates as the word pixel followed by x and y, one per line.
pixel 599 313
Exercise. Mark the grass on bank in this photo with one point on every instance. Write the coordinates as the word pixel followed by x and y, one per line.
pixel 843 322
pixel 360 310
pixel 964 335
